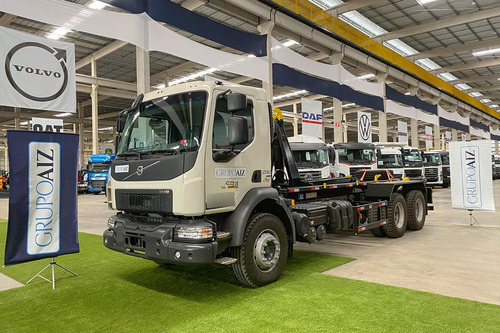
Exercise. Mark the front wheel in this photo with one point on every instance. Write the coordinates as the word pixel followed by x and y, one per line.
pixel 397 216
pixel 261 258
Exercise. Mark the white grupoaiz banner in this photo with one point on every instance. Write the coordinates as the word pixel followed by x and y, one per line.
pixel 312 118
pixel 36 73
pixel 364 127
pixel 470 164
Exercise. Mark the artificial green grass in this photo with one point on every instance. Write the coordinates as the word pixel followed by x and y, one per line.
pixel 118 293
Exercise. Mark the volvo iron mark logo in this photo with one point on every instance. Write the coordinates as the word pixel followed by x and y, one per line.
pixel 364 127
pixel 42 81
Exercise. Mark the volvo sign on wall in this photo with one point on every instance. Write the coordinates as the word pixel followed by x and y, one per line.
pixel 36 72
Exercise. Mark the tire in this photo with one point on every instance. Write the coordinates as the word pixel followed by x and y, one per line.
pixel 262 256
pixel 417 210
pixel 378 232
pixel 397 216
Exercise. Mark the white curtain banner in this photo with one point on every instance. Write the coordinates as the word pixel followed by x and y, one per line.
pixel 364 127
pixel 140 30
pixel 312 118
pixel 479 132
pixel 400 110
pixel 402 131
pixel 470 167
pixel 428 118
pixel 36 73
pixel 429 142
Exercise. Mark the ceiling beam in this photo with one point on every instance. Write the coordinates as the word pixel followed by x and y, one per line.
pixel 6 19
pixel 463 67
pixel 445 51
pixel 439 24
pixel 110 48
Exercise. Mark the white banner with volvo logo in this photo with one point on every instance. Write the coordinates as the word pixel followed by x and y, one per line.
pixel 364 127
pixel 36 73
pixel 470 167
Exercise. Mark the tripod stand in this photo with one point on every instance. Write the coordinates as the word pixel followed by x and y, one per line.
pixel 472 219
pixel 53 281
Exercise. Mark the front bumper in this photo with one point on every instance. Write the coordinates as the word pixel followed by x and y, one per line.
pixel 156 242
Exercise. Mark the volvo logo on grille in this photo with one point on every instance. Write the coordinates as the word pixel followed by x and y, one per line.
pixel 140 169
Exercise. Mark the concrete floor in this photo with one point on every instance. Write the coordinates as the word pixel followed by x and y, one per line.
pixel 449 256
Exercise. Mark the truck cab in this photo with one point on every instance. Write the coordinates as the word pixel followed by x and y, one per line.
pixel 434 168
pixel 97 172
pixel 350 158
pixel 391 159
pixel 496 165
pixel 311 156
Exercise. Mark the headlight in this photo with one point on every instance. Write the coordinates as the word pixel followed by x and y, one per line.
pixel 111 222
pixel 194 232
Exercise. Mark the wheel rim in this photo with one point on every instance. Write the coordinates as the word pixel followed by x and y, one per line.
pixel 399 215
pixel 419 210
pixel 266 251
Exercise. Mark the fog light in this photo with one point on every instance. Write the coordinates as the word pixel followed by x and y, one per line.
pixel 177 255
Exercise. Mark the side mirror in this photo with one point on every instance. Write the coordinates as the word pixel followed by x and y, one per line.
pixel 379 154
pixel 120 124
pixel 236 102
pixel 238 130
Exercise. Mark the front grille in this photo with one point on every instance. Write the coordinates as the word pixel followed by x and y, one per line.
pixel 144 201
pixel 431 174
pixel 413 173
pixel 353 170
pixel 309 175
pixel 98 183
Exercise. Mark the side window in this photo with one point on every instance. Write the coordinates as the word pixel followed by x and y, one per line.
pixel 220 138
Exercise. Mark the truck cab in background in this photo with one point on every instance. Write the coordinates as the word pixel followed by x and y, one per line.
pixel 311 156
pixel 434 168
pixel 495 161
pixel 391 159
pixel 348 158
pixel 97 172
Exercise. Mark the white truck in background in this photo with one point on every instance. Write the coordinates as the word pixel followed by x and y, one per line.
pixel 391 159
pixel 311 156
pixel 349 158
pixel 435 172
pixel 413 158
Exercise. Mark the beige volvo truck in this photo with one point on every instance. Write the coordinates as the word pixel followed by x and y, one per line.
pixel 204 173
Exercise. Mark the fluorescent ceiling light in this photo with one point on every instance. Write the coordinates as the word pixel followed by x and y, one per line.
pixel 463 86
pixel 485 100
pixel 159 86
pixel 97 5
pixel 105 129
pixel 348 105
pixel 192 77
pixel 476 94
pixel 447 77
pixel 326 4
pixel 400 47
pixel 425 2
pixel 358 21
pixel 485 52
pixel 23 123
pixel 58 33
pixel 366 76
pixel 290 42
pixel 427 64
pixel 295 93
pixel 65 114
pixel 494 106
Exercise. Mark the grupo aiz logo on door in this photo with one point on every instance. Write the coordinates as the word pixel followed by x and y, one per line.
pixel 42 80
pixel 364 127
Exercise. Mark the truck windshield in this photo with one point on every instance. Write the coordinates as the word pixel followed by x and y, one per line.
pixel 390 161
pixel 412 157
pixel 168 125
pixel 98 166
pixel 356 156
pixel 445 159
pixel 433 159
pixel 310 158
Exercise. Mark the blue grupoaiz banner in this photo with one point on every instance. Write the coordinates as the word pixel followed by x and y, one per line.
pixel 43 219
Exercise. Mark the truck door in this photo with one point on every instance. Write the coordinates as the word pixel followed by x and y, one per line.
pixel 231 171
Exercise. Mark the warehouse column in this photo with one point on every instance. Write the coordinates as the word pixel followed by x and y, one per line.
pixel 437 137
pixel 81 133
pixel 338 129
pixel 382 126
pixel 414 132
pixel 95 105
pixel 143 72
pixel 17 119
pixel 454 134
pixel 265 28
pixel 295 121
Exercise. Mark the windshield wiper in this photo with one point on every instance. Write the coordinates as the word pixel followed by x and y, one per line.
pixel 164 152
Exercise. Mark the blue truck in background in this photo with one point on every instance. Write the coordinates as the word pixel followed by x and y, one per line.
pixel 97 169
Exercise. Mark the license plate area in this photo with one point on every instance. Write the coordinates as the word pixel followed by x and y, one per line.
pixel 135 242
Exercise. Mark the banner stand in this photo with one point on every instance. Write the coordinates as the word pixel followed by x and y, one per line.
pixel 472 219
pixel 53 281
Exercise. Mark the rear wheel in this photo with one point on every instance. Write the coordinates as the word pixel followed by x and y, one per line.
pixel 416 210
pixel 261 258
pixel 397 216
